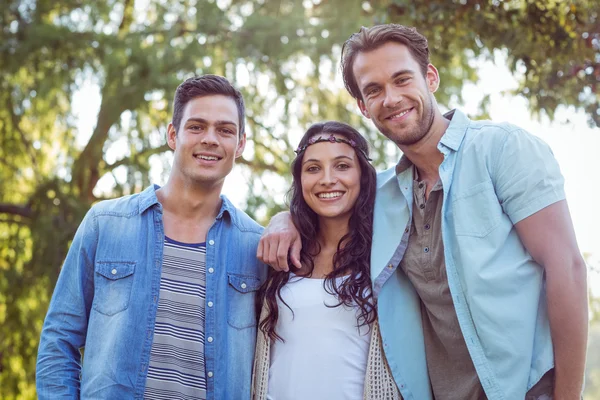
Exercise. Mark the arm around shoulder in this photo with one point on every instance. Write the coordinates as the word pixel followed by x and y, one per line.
pixel 280 239
pixel 65 327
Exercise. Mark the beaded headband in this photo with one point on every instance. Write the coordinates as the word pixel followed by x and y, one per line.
pixel 331 139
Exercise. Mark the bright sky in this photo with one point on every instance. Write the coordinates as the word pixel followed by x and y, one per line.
pixel 573 142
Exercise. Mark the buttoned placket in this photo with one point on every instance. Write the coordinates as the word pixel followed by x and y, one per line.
pixel 462 313
pixel 210 338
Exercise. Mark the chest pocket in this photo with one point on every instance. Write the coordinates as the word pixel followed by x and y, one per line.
pixel 476 210
pixel 113 282
pixel 241 296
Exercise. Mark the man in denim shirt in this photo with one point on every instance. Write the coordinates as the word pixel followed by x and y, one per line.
pixel 158 288
pixel 479 281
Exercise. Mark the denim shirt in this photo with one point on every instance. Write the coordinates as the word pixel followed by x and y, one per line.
pixel 493 176
pixel 106 298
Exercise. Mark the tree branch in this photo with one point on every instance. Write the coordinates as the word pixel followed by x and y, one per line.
pixel 14 209
pixel 256 166
pixel 15 121
pixel 143 154
pixel 9 165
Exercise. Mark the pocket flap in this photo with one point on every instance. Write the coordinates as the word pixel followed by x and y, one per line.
pixel 244 283
pixel 115 269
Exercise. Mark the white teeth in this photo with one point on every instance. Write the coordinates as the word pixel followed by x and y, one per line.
pixel 330 195
pixel 400 114
pixel 209 158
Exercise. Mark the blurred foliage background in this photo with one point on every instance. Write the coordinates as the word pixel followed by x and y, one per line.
pixel 284 54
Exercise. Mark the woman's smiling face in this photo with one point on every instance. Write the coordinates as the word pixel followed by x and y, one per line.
pixel 330 178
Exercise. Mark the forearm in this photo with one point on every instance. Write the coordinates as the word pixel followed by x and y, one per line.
pixel 568 315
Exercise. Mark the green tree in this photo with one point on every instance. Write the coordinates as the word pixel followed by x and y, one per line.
pixel 284 54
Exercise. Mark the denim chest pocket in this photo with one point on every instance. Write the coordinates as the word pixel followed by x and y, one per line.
pixel 241 296
pixel 113 283
pixel 476 211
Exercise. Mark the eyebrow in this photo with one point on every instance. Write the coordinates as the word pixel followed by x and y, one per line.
pixel 394 76
pixel 204 121
pixel 336 158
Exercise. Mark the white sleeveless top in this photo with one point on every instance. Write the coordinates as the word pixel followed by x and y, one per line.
pixel 324 355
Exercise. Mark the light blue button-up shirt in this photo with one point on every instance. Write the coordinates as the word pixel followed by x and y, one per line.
pixel 493 176
pixel 106 299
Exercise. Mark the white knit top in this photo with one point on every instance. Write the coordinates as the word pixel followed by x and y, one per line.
pixel 324 354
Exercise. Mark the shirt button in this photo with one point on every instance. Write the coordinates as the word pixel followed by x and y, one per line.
pixel 210 304
pixel 210 339
pixel 421 185
pixel 390 266
pixel 427 226
pixel 406 230
pixel 211 270
pixel 211 242
pixel 243 285
pixel 210 374
pixel 422 206
pixel 426 249
pixel 114 271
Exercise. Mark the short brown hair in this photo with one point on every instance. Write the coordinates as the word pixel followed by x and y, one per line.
pixel 207 85
pixel 369 39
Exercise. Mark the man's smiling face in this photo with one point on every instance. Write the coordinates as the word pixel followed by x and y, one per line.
pixel 395 94
pixel 208 141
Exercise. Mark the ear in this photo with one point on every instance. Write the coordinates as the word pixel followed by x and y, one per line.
pixel 432 78
pixel 241 146
pixel 171 136
pixel 363 109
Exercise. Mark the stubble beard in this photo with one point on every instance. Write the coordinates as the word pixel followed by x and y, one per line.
pixel 410 136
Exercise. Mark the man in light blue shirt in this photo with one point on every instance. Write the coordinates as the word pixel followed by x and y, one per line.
pixel 158 288
pixel 479 281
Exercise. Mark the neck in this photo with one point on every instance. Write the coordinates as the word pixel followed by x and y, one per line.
pixel 331 232
pixel 192 202
pixel 424 154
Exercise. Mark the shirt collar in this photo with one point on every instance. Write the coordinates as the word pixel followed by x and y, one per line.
pixel 226 207
pixel 148 198
pixel 452 138
pixel 455 132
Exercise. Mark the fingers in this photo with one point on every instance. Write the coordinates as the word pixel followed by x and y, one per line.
pixel 282 253
pixel 268 250
pixel 278 238
pixel 295 252
pixel 259 250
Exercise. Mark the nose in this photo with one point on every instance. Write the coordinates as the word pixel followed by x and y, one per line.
pixel 210 137
pixel 392 97
pixel 328 178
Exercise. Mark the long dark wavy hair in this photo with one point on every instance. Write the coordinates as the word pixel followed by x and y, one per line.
pixel 353 253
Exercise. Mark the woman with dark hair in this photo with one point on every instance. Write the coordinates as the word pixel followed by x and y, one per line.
pixel 318 336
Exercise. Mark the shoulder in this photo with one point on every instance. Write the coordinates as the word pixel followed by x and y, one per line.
pixel 384 177
pixel 493 134
pixel 240 219
pixel 125 206
pixel 501 141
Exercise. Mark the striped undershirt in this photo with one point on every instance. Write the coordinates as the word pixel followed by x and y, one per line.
pixel 176 370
